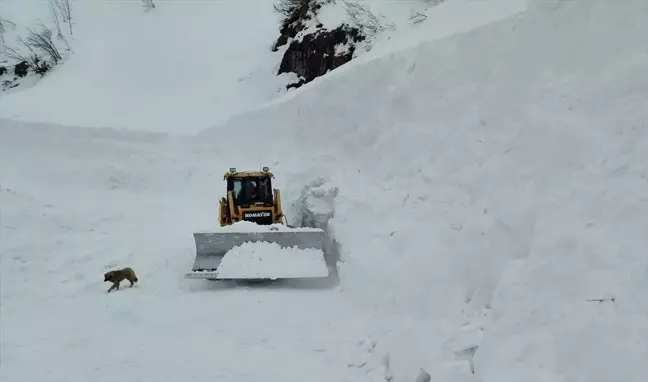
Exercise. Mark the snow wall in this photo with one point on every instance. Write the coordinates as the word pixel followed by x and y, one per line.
pixel 505 168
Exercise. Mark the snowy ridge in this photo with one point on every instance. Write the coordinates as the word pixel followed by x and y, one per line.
pixel 159 78
pixel 443 21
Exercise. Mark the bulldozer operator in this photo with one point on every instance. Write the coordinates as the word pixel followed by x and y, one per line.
pixel 247 193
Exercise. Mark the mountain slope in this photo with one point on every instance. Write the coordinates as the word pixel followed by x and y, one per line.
pixel 186 65
pixel 177 68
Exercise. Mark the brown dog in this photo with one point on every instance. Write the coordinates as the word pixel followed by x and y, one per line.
pixel 118 276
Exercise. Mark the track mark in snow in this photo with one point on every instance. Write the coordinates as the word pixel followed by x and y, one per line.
pixel 374 363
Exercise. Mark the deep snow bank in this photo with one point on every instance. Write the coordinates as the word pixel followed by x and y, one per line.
pixel 574 306
pixel 456 157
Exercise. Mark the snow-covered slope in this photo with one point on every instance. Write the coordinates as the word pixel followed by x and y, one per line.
pixel 180 67
pixel 186 65
pixel 483 189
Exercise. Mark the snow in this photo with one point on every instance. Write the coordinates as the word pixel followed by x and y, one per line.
pixel 331 15
pixel 78 202
pixel 174 69
pixel 486 192
pixel 247 226
pixel 270 260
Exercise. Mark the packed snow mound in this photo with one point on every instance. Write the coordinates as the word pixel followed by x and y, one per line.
pixel 264 260
pixel 249 226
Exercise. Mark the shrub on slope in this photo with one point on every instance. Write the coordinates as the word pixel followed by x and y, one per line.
pixel 39 50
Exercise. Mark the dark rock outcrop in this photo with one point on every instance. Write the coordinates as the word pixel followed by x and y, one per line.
pixel 21 69
pixel 315 54
pixel 295 21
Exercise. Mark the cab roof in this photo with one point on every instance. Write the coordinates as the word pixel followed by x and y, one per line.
pixel 247 174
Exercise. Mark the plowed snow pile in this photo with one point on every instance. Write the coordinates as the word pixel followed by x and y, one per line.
pixel 247 227
pixel 270 260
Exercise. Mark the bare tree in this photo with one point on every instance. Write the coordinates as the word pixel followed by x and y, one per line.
pixel 42 41
pixel 148 4
pixel 64 8
pixel 3 27
pixel 288 7
pixel 37 42
pixel 365 20
pixel 417 17
pixel 33 61
pixel 55 18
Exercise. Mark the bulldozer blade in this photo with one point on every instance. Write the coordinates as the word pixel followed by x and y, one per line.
pixel 211 247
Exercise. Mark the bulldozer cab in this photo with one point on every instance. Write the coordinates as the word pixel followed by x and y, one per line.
pixel 251 189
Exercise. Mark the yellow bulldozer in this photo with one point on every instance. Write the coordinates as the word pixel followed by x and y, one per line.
pixel 250 198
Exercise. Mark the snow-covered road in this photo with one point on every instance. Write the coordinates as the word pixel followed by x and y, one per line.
pixel 76 203
pixel 204 334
